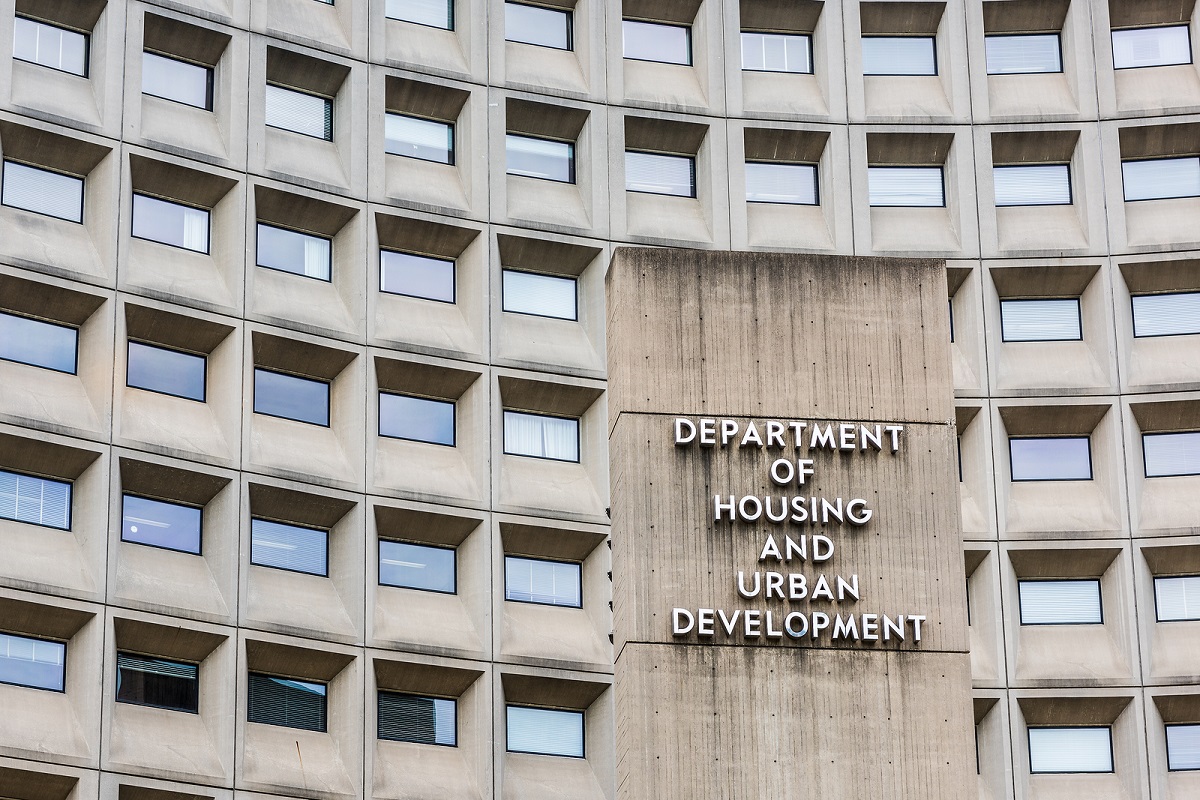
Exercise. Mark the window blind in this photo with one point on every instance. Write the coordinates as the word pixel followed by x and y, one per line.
pixel 412 137
pixel 1161 178
pixel 38 343
pixel 299 112
pixel 540 436
pixel 899 55
pixel 539 158
pixel 50 46
pixel 37 663
pixel 418 419
pixel 170 223
pixel 1177 598
pixel 551 583
pixel 1032 185
pixel 289 547
pixel 172 79
pixel 434 13
pixel 1170 454
pixel 420 720
pixel 658 173
pixel 1070 750
pixel 1067 602
pixel 653 41
pixel 1151 47
pixel 158 523
pixel 1040 320
pixel 285 702
pixel 776 52
pixel 545 27
pixel 1166 314
pixel 905 186
pixel 144 680
pixel 42 191
pixel 1183 747
pixel 1056 458
pixel 539 295
pixel 418 566
pixel 417 276
pixel 794 184
pixel 545 731
pixel 1024 54
pixel 37 501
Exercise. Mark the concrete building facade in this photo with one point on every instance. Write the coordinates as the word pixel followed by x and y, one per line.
pixel 216 185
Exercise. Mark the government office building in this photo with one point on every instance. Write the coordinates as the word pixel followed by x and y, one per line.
pixel 303 425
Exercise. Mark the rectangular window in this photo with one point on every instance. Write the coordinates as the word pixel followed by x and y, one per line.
pixel 36 663
pixel 545 731
pixel 899 55
pixel 299 112
pixel 37 501
pixel 179 81
pixel 1064 750
pixel 547 159
pixel 420 720
pixel 42 191
pixel 1161 178
pixel 1025 54
pixel 905 187
pixel 1040 320
pixel 170 223
pixel 777 52
pixel 1175 314
pixel 791 184
pixel 294 252
pixel 655 41
pixel 418 419
pixel 1074 602
pixel 418 566
pixel 1033 185
pixel 412 275
pixel 291 397
pixel 1057 458
pixel 1183 747
pixel 290 547
pixel 413 137
pixel 157 523
pixel 1151 47
pixel 1171 454
pixel 157 682
pixel 545 27
pixel 39 344
pixel 547 583
pixel 1177 598
pixel 539 295
pixel 659 173
pixel 159 369
pixel 286 702
pixel 50 46
pixel 433 13
pixel 540 436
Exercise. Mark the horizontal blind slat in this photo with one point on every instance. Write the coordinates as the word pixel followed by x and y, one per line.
pixel 1040 320
pixel 1023 55
pixel 290 547
pixel 43 191
pixel 906 186
pixel 1069 602
pixel 1032 185
pixel 1166 314
pixel 539 295
pixel 899 55
pixel 1169 454
pixel 1161 178
pixel 1177 598
pixel 299 112
pixel 546 731
pixel 1151 47
pixel 1183 747
pixel 1070 750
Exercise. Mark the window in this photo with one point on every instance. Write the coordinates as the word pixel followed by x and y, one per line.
pixel 1034 185
pixel 547 159
pixel 50 46
pixel 1073 602
pixel 1058 458
pixel 418 566
pixel 421 720
pixel 1171 454
pixel 1161 178
pixel 180 81
pixel 413 137
pixel 547 583
pixel 1175 314
pixel 540 436
pixel 1151 47
pixel 654 41
pixel 149 681
pixel 1060 750
pixel 545 27
pixel 412 275
pixel 776 52
pixel 37 501
pixel 157 523
pixel 1183 747
pixel 793 184
pixel 170 223
pixel 289 547
pixel 37 343
pixel 291 397
pixel 159 369
pixel 659 173
pixel 299 112
pixel 1177 598
pixel 42 191
pixel 899 55
pixel 36 663
pixel 545 731
pixel 1040 320
pixel 539 295
pixel 905 186
pixel 286 702
pixel 417 419
pixel 294 252
pixel 433 13
pixel 1024 54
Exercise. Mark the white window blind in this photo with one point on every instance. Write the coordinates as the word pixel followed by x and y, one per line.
pixel 38 663
pixel 299 112
pixel 426 139
pixel 794 184
pixel 658 173
pixel 1161 178
pixel 170 223
pixel 1024 54
pixel 1177 598
pixel 434 13
pixel 1183 747
pixel 1166 314
pixel 50 46
pixel 1056 458
pixel 540 436
pixel 1040 320
pixel 1170 454
pixel 545 731
pixel 899 55
pixel 906 186
pixel 539 295
pixel 37 501
pixel 1151 47
pixel 1069 602
pixel 653 41
pixel 547 159
pixel 1070 750
pixel 1033 185
pixel 289 547
pixel 551 583
pixel 42 191
pixel 776 52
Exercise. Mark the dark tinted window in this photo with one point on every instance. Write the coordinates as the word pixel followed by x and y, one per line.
pixel 149 681
pixel 421 720
pixel 286 702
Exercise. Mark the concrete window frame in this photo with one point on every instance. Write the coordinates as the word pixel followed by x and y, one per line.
pixel 571 205
pixel 1151 514
pixel 1159 362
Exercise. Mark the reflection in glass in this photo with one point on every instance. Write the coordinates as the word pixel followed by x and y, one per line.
pixel 170 223
pixel 157 682
pixel 540 158
pixel 172 79
pixel 419 419
pixel 417 566
pixel 294 252
pixel 172 372
pixel 420 720
pixel 50 46
pixel 417 276
pixel 290 397
pixel 551 583
pixel 37 663
pixel 413 137
pixel 290 547
pixel 652 41
pixel 160 524
pixel 546 27
pixel 37 343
